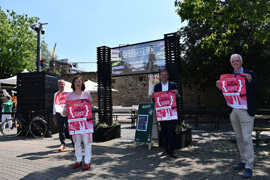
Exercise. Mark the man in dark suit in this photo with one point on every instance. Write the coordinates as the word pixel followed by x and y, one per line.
pixel 167 133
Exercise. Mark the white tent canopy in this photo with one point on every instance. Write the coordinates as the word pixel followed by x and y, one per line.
pixel 89 86
pixel 68 86
pixel 11 80
pixel 93 86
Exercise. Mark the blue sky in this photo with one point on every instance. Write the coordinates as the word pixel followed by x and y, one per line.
pixel 79 27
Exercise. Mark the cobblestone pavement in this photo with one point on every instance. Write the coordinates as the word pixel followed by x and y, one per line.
pixel 210 157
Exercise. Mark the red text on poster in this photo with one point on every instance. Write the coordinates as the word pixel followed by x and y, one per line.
pixel 79 116
pixel 233 87
pixel 165 104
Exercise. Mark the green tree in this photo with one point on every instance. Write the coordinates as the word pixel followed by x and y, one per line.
pixel 17 43
pixel 45 53
pixel 216 29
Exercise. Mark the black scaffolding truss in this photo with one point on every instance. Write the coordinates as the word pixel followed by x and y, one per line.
pixel 173 63
pixel 104 76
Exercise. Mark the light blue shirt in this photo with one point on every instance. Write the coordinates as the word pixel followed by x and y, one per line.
pixel 165 87
pixel 241 71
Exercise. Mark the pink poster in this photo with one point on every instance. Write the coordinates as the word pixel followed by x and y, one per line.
pixel 233 87
pixel 165 104
pixel 79 116
pixel 60 98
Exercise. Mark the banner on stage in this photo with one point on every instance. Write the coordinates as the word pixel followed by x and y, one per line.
pixel 233 87
pixel 165 105
pixel 79 116
pixel 153 79
pixel 146 57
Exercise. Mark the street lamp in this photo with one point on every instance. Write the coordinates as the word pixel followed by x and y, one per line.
pixel 39 30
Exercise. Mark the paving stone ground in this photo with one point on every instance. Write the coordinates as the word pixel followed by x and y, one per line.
pixel 210 157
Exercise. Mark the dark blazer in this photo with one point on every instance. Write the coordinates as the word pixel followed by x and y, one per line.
pixel 158 87
pixel 251 88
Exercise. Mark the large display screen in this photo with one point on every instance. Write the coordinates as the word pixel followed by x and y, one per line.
pixel 148 57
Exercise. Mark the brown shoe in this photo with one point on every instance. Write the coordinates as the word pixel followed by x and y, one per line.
pixel 62 148
pixel 86 167
pixel 76 165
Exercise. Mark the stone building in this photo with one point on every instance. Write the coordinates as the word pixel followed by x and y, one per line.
pixel 133 90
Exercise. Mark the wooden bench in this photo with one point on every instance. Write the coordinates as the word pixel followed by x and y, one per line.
pixel 131 114
pixel 117 114
pixel 134 118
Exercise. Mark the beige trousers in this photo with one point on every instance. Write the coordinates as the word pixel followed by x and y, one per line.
pixel 242 124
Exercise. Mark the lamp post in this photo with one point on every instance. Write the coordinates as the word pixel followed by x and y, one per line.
pixel 39 30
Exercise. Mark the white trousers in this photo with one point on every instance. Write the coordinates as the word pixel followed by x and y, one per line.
pixel 242 124
pixel 4 118
pixel 78 139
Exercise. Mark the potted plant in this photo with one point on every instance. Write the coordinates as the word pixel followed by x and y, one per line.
pixel 183 136
pixel 104 132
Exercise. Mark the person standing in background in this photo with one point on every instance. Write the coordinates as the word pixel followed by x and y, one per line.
pixel 167 127
pixel 59 118
pixel 7 106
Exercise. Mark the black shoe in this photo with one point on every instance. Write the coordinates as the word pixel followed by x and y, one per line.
pixel 172 156
pixel 48 134
pixel 164 154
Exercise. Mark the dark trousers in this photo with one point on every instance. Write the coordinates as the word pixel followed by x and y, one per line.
pixel 167 135
pixel 62 125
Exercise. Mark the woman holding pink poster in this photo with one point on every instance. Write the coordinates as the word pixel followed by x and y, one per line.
pixel 79 112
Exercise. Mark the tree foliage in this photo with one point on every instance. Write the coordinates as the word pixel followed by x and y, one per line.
pixel 17 43
pixel 45 52
pixel 218 28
